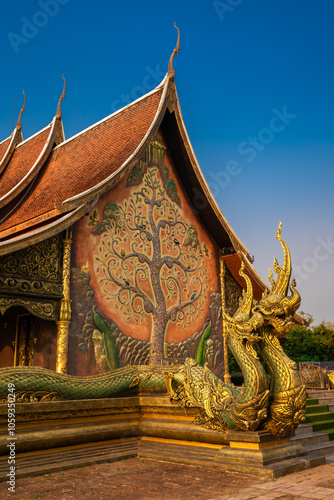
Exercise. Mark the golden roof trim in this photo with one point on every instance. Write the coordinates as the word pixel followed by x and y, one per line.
pixel 16 139
pixel 45 232
pixel 29 223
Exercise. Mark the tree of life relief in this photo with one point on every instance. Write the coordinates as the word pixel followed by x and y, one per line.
pixel 150 262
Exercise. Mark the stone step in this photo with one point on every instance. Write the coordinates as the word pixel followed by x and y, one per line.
pixel 326 401
pixel 303 429
pixel 316 394
pixel 324 426
pixel 311 439
pixel 318 408
pixel 320 448
pixel 330 433
pixel 295 465
pixel 276 469
pixel 327 416
pixel 318 422
pixel 37 463
pixel 329 459
pixel 311 401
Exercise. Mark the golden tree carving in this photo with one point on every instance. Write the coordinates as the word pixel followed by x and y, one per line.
pixel 150 261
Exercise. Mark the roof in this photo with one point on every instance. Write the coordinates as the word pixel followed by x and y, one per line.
pixel 22 161
pixel 77 170
pixel 48 183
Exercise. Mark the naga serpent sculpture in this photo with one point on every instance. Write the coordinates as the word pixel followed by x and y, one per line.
pixel 288 395
pixel 278 409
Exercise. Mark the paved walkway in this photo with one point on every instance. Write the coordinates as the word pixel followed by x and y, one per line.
pixel 146 479
pixel 315 483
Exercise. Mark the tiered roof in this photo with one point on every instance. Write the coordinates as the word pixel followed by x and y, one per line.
pixel 47 183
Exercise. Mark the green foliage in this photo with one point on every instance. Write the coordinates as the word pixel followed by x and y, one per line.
pixel 312 343
pixel 233 365
pixel 303 343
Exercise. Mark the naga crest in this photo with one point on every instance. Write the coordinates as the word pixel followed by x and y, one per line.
pixel 245 323
pixel 276 307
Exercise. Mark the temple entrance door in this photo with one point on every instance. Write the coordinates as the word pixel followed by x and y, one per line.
pixel 25 340
pixel 36 342
pixel 9 336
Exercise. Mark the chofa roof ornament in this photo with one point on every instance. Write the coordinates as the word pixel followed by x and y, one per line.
pixel 58 114
pixel 19 124
pixel 171 70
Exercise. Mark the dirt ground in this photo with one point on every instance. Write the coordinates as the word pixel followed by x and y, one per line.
pixel 136 478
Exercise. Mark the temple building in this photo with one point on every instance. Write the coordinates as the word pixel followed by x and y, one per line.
pixel 112 249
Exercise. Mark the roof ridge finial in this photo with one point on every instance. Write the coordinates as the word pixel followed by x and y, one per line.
pixel 58 114
pixel 19 124
pixel 171 70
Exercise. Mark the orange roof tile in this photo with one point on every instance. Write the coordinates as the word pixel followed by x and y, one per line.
pixel 24 157
pixel 85 160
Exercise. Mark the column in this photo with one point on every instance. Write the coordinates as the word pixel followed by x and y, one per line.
pixel 63 325
pixel 227 377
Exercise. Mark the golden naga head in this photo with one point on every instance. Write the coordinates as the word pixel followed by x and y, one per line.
pixel 276 303
pixel 244 324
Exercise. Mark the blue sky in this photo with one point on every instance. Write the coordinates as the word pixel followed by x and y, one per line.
pixel 255 81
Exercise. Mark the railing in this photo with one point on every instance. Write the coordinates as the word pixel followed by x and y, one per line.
pixel 316 374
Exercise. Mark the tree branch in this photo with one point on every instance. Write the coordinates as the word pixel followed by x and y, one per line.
pixel 172 313
pixel 148 305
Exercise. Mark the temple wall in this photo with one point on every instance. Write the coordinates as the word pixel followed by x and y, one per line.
pixel 145 275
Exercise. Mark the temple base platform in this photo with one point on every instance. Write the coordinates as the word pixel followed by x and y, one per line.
pixel 58 435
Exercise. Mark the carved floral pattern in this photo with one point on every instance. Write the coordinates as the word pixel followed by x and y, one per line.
pixel 37 261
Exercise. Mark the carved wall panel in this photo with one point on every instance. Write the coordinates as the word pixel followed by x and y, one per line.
pixel 233 293
pixel 35 270
pixel 41 309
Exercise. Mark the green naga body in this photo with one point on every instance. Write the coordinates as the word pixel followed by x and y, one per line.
pixel 35 383
pixel 250 408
